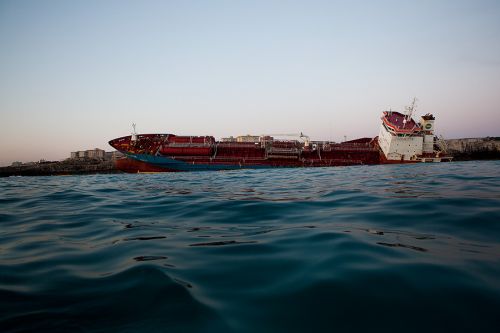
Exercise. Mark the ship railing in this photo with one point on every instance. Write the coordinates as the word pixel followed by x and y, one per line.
pixel 287 157
pixel 238 145
pixel 272 150
pixel 229 158
pixel 367 149
pixel 351 144
pixel 188 145
pixel 348 145
pixel 345 161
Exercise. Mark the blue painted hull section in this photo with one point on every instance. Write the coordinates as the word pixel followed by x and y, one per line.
pixel 177 165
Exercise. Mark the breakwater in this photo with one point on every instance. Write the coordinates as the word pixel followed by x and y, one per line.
pixel 67 167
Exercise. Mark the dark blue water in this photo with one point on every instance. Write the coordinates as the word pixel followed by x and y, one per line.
pixel 369 248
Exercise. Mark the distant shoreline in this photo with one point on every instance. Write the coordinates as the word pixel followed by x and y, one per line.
pixel 91 167
pixel 467 149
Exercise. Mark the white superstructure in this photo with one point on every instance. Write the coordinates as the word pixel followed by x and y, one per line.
pixel 401 138
pixel 399 147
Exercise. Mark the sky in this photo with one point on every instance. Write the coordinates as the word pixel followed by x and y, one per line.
pixel 76 74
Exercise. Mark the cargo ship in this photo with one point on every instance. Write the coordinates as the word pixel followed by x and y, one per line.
pixel 401 139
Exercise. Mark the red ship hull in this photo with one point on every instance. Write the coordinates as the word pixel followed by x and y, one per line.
pixel 167 153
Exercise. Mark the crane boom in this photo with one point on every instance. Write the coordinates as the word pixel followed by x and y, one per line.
pixel 299 135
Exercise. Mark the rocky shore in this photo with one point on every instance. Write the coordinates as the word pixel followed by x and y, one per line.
pixel 470 149
pixel 66 167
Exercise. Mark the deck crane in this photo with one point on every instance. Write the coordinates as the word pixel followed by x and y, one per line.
pixel 297 135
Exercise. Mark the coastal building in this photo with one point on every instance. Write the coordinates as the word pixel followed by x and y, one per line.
pixel 96 153
pixel 91 153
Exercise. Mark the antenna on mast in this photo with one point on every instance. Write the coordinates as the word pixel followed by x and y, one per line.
pixel 410 109
pixel 134 133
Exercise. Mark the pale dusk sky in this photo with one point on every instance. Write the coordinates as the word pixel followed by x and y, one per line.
pixel 76 74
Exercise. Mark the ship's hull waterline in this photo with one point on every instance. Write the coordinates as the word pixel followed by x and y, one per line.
pixel 401 140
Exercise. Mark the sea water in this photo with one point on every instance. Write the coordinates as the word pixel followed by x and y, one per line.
pixel 364 248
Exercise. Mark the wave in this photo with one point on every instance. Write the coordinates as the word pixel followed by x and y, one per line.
pixel 403 247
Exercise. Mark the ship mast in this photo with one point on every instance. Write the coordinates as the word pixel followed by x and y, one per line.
pixel 134 133
pixel 410 110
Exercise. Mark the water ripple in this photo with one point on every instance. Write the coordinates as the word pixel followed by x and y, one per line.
pixel 397 248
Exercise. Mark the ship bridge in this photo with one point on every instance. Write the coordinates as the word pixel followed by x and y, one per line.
pixel 398 123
